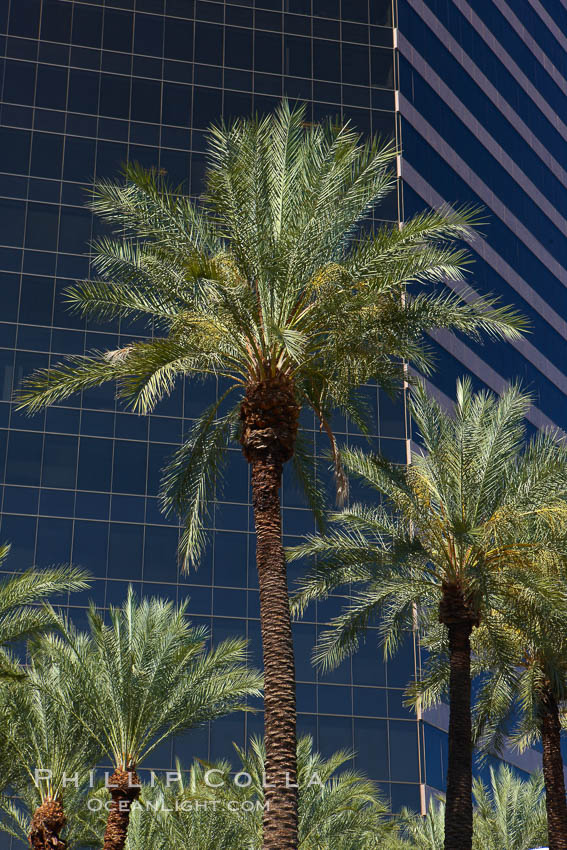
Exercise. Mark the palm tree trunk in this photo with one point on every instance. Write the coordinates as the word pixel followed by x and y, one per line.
pixel 269 413
pixel 47 822
pixel 555 802
pixel 124 790
pixel 280 814
pixel 455 614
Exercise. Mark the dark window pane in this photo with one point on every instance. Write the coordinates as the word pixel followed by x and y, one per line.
pixel 129 474
pixel 382 68
pixel 230 559
pixel 179 39
pixel 110 157
pixel 208 44
pixel 148 35
pixel 238 48
pixel 19 82
pixel 83 91
pixel 304 641
pixel 15 147
pixel 381 12
pixel 125 551
pixel 59 461
pixel 326 60
pixel 355 64
pixel 9 293
pixel 115 96
pixel 297 56
pixel 24 18
pixel 176 104
pixel 36 302
pixel 300 7
pixel 117 30
pixel 95 464
pixel 54 541
pixel 146 100
pixel 51 87
pixel 47 155
pixel 79 163
pixel 326 8
pixel 160 554
pixel 207 105
pixel 24 458
pixel 90 545
pixel 56 20
pixel 335 733
pixel 370 702
pixel 403 742
pixel 335 699
pixel 41 227
pixel 268 52
pixel 371 747
pixel 87 25
pixel 12 215
pixel 75 230
pixel 181 8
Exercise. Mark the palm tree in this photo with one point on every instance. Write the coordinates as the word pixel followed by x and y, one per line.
pixel 145 676
pixel 451 546
pixel 509 813
pixel 20 597
pixel 275 284
pixel 337 811
pixel 524 688
pixel 47 754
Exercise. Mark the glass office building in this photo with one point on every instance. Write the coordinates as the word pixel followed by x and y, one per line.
pixel 482 100
pixel 87 85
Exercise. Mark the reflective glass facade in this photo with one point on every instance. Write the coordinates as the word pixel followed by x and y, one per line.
pixel 483 99
pixel 86 85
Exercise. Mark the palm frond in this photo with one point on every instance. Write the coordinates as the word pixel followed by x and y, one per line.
pixel 189 480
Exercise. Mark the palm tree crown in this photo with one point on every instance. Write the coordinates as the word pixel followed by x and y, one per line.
pixel 338 809
pixel 271 275
pixel 509 813
pixel 145 676
pixel 47 752
pixel 20 596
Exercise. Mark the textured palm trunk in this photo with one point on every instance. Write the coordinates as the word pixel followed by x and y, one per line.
pixel 555 802
pixel 47 822
pixel 269 414
pixel 456 615
pixel 124 790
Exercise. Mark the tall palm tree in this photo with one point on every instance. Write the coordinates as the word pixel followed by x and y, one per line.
pixel 21 615
pixel 275 283
pixel 453 542
pixel 509 813
pixel 145 676
pixel 524 676
pixel 47 754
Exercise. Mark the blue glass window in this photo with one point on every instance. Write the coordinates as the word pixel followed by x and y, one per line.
pixel 371 748
pixel 59 461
